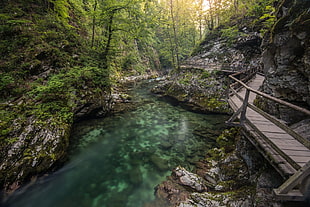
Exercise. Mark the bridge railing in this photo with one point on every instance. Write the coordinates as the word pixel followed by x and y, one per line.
pixel 238 84
pixel 301 178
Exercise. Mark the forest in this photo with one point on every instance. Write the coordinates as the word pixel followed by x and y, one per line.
pixel 49 48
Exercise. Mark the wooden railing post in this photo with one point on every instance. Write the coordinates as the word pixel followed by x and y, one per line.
pixel 244 106
pixel 227 89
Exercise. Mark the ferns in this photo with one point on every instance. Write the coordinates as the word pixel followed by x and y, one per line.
pixel 61 7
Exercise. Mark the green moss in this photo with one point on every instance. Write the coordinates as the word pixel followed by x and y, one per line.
pixel 212 104
pixel 228 139
pixel 226 144
pixel 205 75
pixel 216 154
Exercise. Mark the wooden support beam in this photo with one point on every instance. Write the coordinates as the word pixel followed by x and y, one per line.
pixel 244 107
pixel 294 180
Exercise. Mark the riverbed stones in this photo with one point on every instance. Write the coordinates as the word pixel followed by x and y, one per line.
pixel 160 163
pixel 135 175
pixel 165 145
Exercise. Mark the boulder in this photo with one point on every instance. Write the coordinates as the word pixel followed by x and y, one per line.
pixel 189 179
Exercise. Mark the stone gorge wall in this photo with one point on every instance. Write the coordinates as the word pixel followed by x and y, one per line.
pixel 286 59
pixel 219 50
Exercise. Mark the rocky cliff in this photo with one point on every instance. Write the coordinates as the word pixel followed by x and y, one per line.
pixel 47 80
pixel 200 83
pixel 286 59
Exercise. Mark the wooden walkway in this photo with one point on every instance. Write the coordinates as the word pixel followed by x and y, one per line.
pixel 276 142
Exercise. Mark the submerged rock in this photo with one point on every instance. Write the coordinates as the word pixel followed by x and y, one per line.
pixel 135 176
pixel 160 163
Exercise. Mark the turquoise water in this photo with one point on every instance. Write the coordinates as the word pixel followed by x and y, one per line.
pixel 117 161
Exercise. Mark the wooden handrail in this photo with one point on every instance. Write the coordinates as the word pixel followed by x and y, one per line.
pixel 270 97
pixel 288 189
pixel 226 66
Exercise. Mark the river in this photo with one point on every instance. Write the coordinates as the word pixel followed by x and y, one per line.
pixel 118 160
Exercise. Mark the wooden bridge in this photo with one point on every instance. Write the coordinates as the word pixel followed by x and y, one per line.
pixel 223 67
pixel 287 151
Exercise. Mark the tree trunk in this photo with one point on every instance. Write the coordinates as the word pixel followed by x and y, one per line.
pixel 175 35
pixel 105 53
pixel 94 27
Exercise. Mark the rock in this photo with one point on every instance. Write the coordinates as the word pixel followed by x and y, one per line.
pixel 169 193
pixel 190 179
pixel 37 149
pixel 195 92
pixel 135 176
pixel 216 200
pixel 165 145
pixel 302 128
pixel 160 163
pixel 233 168
pixel 286 61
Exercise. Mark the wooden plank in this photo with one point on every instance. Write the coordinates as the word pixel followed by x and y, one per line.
pixel 287 168
pixel 287 142
pixel 298 152
pixel 282 136
pixel 255 118
pixel 278 134
pixel 283 147
pixel 269 128
pixel 302 159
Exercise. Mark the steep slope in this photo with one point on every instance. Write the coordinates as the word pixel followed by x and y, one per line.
pixel 48 79
pixel 286 59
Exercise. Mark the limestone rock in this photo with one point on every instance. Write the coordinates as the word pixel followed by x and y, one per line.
pixel 195 90
pixel 302 128
pixel 38 148
pixel 190 179
pixel 286 60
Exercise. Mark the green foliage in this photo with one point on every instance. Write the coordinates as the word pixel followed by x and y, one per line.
pixel 216 154
pixel 186 79
pixel 230 34
pixel 6 82
pixel 61 7
pixel 268 19
pixel 61 86
pixel 227 139
pixel 205 75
